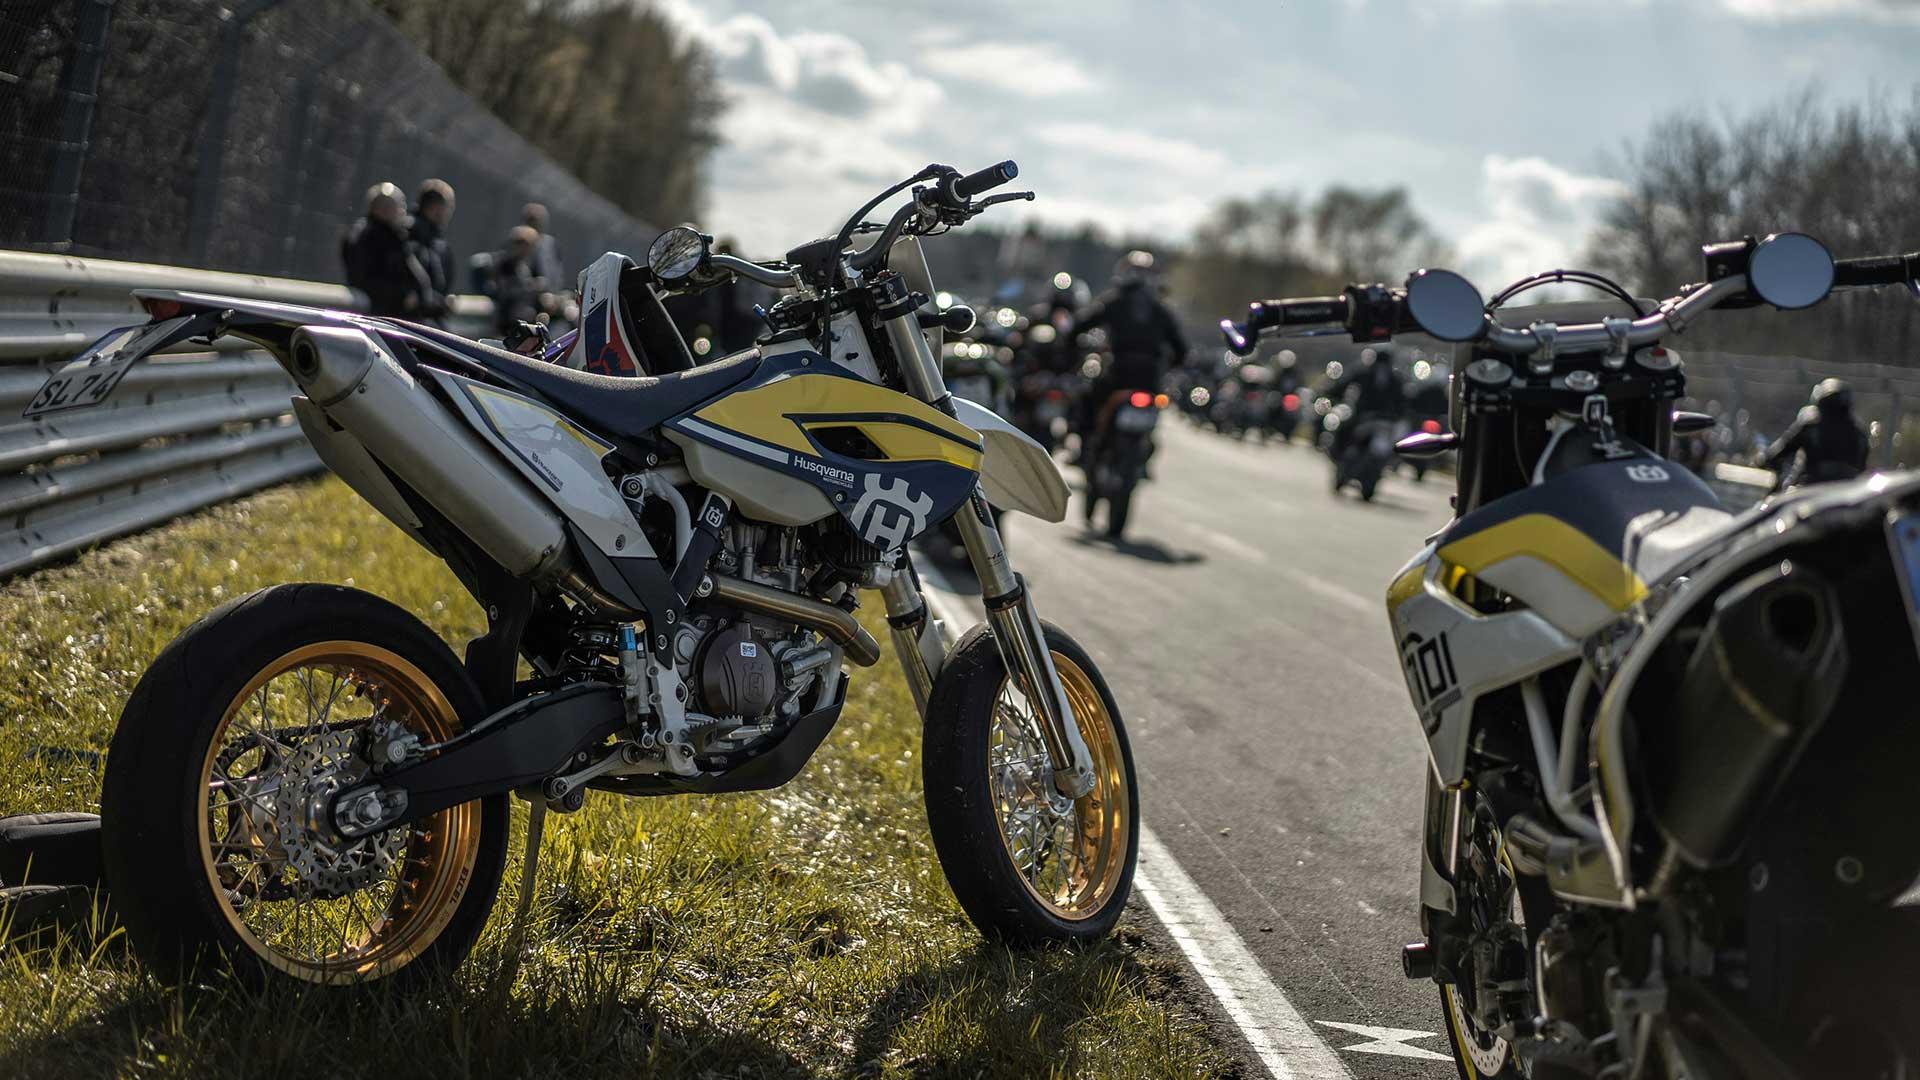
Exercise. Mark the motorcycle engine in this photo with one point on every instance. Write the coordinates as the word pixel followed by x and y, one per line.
pixel 738 675
pixel 746 670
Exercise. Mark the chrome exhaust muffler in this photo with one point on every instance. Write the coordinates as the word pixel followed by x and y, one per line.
pixel 359 386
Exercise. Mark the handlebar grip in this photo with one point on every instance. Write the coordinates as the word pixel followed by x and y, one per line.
pixel 1876 270
pixel 1307 311
pixel 986 179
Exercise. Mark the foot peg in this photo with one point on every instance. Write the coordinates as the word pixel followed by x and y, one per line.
pixel 1416 960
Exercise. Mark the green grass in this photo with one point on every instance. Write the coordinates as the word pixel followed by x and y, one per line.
pixel 802 932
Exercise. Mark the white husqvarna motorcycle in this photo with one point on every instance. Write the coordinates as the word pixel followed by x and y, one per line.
pixel 1670 811
pixel 308 782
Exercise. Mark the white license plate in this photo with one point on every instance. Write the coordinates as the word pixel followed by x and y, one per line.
pixel 1136 421
pixel 86 380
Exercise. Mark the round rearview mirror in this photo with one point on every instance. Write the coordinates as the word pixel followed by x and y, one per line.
pixel 676 254
pixel 1446 305
pixel 1790 270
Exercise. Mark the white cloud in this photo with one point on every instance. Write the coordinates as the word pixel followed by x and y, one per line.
pixel 1021 68
pixel 1781 10
pixel 814 126
pixel 1167 155
pixel 831 73
pixel 1537 217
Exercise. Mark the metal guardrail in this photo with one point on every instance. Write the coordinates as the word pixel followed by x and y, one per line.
pixel 183 431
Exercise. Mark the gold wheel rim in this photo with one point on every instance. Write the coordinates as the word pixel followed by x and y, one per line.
pixel 1070 862
pixel 371 931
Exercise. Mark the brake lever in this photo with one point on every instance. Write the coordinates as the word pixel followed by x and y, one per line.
pixel 1006 197
pixel 1236 336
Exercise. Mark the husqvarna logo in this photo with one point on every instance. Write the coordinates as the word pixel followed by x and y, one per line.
pixel 889 512
pixel 825 471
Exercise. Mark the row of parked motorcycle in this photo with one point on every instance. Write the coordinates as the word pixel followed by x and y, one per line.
pixel 1029 365
pixel 1274 400
pixel 1670 749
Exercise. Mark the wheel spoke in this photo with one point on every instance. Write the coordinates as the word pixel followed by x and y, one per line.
pixel 277 899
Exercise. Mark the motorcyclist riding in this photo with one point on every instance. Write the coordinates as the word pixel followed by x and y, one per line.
pixel 1143 337
pixel 1052 350
pixel 1381 394
pixel 1825 438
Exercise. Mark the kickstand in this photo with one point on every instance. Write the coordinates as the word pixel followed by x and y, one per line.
pixel 529 869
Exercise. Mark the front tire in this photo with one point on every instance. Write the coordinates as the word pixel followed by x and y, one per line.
pixel 1118 507
pixel 1027 870
pixel 241 725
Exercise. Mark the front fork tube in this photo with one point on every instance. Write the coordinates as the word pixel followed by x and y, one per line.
pixel 1010 610
pixel 1023 647
pixel 919 640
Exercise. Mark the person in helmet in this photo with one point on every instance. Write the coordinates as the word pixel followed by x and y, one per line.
pixel 1143 339
pixel 1825 442
pixel 1377 392
pixel 1052 350
pixel 379 257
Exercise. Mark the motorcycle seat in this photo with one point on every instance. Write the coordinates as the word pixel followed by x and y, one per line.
pixel 623 406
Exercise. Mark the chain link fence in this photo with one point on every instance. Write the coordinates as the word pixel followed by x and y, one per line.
pixel 243 137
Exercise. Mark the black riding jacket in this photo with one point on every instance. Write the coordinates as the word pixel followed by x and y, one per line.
pixel 1142 334
pixel 1833 446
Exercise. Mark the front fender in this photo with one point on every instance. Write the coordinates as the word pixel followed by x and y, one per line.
pixel 1016 473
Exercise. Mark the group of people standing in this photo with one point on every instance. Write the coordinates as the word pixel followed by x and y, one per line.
pixel 401 258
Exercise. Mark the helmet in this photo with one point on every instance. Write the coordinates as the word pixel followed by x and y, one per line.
pixel 1833 397
pixel 1068 292
pixel 1135 267
pixel 606 344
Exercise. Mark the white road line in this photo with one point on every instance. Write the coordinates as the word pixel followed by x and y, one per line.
pixel 1392 1042
pixel 1282 1039
pixel 1231 544
pixel 1340 594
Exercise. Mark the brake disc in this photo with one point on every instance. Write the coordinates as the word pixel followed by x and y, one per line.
pixel 329 864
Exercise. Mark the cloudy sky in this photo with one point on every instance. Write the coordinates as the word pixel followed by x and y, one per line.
pixel 1500 115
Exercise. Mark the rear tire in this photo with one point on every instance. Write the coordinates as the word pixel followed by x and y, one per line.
pixel 199 863
pixel 979 814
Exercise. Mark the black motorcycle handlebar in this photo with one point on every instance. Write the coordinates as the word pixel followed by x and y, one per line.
pixel 1264 315
pixel 1876 270
pixel 966 187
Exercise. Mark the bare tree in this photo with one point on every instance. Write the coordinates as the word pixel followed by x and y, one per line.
pixel 1845 174
pixel 1276 244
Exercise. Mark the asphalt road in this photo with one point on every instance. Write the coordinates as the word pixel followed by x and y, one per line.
pixel 1241 626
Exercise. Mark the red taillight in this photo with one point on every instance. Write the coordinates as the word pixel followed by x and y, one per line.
pixel 160 309
pixel 1291 401
pixel 1056 395
pixel 1140 399
pixel 1431 427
